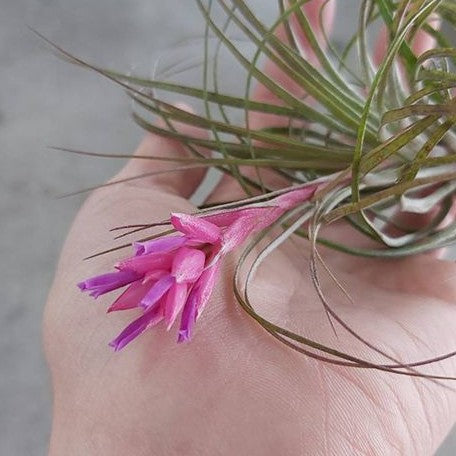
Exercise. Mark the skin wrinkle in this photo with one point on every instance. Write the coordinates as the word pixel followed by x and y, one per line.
pixel 351 444
pixel 87 424
pixel 372 333
pixel 342 419
pixel 377 340
pixel 418 286
pixel 398 321
pixel 406 425
pixel 417 422
pixel 415 338
pixel 416 354
pixel 396 425
pixel 376 406
pixel 427 416
pixel 326 410
pixel 278 388
pixel 358 384
pixel 434 391
pixel 251 386
pixel 425 390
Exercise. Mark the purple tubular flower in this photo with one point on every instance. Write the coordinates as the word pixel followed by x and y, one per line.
pixel 137 327
pixel 187 320
pixel 105 283
pixel 157 291
pixel 161 245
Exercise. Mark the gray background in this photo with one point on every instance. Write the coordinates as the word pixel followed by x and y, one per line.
pixel 44 101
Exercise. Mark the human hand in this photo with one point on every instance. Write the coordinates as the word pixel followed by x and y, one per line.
pixel 234 389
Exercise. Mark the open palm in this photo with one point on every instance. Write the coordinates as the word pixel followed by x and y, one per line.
pixel 234 390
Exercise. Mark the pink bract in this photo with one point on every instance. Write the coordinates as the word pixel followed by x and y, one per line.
pixel 176 274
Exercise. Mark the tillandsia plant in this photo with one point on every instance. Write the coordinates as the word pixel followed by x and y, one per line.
pixel 362 135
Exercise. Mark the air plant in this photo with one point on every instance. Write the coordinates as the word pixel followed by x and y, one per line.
pixel 358 139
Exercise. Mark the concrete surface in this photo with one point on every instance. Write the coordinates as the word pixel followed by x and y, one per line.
pixel 44 101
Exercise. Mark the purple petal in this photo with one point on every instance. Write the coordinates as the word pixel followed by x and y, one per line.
pixel 157 291
pixel 175 300
pixel 187 320
pixel 105 283
pixel 161 245
pixel 188 264
pixel 135 328
pixel 196 228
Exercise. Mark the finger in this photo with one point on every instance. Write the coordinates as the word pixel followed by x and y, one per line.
pixel 262 93
pixel 170 176
pixel 229 188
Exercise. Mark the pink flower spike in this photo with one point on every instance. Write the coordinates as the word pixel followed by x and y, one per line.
pixel 196 228
pixel 161 245
pixel 188 264
pixel 175 300
pixel 294 197
pixel 131 297
pixel 105 283
pixel 137 327
pixel 174 275
pixel 157 291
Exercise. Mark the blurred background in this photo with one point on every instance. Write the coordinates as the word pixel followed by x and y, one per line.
pixel 46 102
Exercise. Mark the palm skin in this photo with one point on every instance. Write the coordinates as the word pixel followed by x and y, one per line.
pixel 234 390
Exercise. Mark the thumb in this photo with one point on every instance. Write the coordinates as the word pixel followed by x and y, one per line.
pixel 171 176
